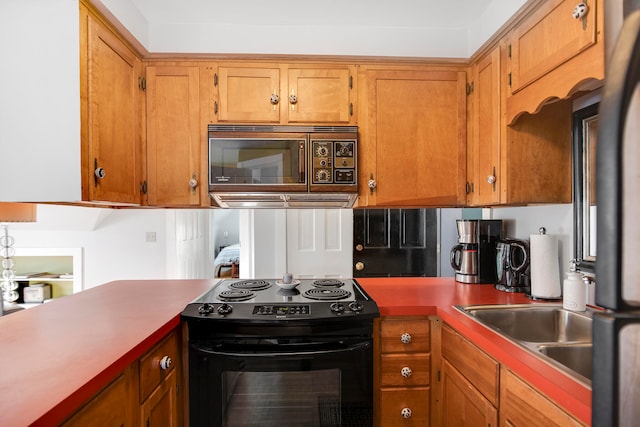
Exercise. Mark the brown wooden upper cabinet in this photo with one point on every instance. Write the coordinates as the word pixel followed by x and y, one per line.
pixel 174 135
pixel 111 114
pixel 413 136
pixel 552 54
pixel 284 93
pixel 483 151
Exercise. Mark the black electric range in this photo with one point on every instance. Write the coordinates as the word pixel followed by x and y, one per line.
pixel 264 301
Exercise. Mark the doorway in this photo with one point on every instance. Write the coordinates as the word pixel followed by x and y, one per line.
pixel 395 242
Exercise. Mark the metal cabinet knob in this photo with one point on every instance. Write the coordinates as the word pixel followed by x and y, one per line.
pixel 406 372
pixel 406 413
pixel 359 247
pixel 405 338
pixel 359 266
pixel 165 363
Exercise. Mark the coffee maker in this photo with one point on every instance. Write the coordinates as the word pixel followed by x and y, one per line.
pixel 474 257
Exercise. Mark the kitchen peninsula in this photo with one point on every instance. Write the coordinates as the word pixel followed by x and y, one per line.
pixel 57 356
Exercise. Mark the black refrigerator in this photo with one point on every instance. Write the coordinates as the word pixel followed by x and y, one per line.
pixel 616 332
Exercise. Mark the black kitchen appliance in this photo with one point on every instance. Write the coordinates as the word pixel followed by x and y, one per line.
pixel 260 355
pixel 512 265
pixel 473 259
pixel 616 332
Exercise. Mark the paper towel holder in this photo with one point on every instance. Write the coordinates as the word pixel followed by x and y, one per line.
pixel 532 293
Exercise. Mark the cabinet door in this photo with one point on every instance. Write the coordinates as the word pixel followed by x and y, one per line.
pixel 414 142
pixel 161 408
pixel 522 405
pixel 319 95
pixel 173 135
pixel 248 94
pixel 107 408
pixel 485 141
pixel 462 404
pixel 113 115
pixel 550 37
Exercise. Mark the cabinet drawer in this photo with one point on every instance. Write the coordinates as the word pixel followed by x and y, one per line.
pixel 392 365
pixel 392 331
pixel 480 369
pixel 151 373
pixel 394 401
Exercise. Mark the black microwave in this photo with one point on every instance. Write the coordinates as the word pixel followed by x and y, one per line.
pixel 309 165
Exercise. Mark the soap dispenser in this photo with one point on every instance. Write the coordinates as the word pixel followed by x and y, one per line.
pixel 574 293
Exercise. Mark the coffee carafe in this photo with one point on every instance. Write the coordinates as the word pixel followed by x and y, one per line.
pixel 512 265
pixel 473 258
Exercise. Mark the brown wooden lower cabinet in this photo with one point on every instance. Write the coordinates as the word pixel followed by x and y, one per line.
pixel 109 407
pixel 475 390
pixel 462 404
pixel 145 394
pixel 522 405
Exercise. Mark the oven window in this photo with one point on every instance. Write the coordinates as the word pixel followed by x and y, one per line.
pixel 311 398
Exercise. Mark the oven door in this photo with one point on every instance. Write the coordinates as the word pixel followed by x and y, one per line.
pixel 281 383
pixel 257 162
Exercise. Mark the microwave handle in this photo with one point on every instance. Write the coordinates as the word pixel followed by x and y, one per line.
pixel 301 162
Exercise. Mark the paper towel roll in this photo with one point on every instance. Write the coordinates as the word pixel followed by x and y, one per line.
pixel 545 268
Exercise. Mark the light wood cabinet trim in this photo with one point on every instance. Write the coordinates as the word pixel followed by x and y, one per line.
pixel 523 405
pixel 478 367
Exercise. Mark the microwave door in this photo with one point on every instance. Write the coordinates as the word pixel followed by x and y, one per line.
pixel 618 180
pixel 273 163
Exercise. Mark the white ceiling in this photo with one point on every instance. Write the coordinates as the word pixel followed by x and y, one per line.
pixel 421 28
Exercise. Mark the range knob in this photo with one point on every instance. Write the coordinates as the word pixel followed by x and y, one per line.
pixel 225 309
pixel 345 150
pixel 355 306
pixel 205 308
pixel 322 151
pixel 336 307
pixel 322 175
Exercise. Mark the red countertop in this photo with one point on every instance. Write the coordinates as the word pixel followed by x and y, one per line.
pixel 436 296
pixel 55 356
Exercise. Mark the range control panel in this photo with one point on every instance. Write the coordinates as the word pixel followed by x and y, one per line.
pixel 333 162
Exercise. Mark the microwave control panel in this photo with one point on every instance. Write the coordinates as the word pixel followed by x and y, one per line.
pixel 333 162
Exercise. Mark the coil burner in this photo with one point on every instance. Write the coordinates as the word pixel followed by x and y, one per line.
pixel 251 285
pixel 235 295
pixel 328 283
pixel 326 294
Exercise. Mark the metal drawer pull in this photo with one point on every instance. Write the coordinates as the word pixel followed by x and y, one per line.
pixel 406 372
pixel 405 338
pixel 165 363
pixel 406 413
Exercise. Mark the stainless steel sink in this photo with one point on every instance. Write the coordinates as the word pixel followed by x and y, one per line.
pixel 558 336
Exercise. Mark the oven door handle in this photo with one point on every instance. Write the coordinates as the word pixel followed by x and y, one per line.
pixel 297 352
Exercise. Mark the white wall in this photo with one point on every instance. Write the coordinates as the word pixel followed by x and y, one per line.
pixel 414 28
pixel 113 240
pixel 39 100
